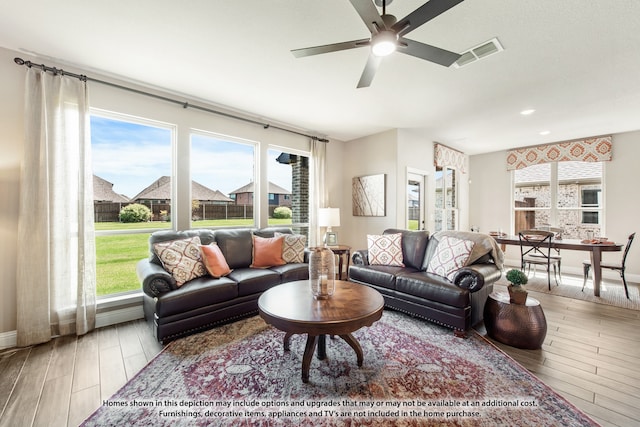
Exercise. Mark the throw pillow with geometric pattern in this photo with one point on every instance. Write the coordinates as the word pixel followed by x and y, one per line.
pixel 385 249
pixel 451 254
pixel 181 258
pixel 293 247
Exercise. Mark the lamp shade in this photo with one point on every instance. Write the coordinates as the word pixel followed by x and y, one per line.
pixel 329 217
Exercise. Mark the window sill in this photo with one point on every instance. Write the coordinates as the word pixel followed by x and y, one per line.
pixel 115 309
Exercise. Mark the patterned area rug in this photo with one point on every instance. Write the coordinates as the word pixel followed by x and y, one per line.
pixel 611 291
pixel 414 374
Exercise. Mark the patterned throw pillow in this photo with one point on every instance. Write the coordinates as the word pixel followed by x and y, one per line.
pixel 181 258
pixel 293 247
pixel 267 252
pixel 385 249
pixel 214 260
pixel 451 254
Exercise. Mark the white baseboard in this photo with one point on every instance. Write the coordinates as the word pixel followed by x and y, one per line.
pixel 112 317
pixel 8 340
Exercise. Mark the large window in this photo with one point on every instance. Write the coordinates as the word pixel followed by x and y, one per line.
pixel 446 203
pixel 223 181
pixel 288 175
pixel 132 194
pixel 566 195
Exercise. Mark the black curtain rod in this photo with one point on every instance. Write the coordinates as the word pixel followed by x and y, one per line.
pixel 184 104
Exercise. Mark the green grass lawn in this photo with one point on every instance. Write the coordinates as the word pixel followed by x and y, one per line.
pixel 117 255
pixel 116 258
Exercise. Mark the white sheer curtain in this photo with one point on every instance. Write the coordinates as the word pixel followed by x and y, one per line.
pixel 317 190
pixel 56 291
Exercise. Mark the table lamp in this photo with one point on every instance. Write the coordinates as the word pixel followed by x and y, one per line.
pixel 329 217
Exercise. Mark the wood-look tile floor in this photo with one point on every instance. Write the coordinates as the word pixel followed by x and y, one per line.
pixel 591 356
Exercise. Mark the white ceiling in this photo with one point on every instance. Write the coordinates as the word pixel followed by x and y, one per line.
pixel 576 62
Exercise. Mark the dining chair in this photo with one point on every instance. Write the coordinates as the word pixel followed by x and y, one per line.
pixel 557 234
pixel 619 267
pixel 535 249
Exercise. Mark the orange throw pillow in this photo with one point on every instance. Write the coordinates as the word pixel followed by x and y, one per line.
pixel 214 260
pixel 267 251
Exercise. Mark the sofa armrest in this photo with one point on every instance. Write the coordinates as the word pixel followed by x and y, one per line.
pixel 360 257
pixel 155 279
pixel 474 276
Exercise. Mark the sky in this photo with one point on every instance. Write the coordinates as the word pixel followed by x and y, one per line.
pixel 132 156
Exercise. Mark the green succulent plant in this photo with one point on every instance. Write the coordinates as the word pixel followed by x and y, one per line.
pixel 517 277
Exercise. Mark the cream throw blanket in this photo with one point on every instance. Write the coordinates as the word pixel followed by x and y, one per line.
pixel 483 244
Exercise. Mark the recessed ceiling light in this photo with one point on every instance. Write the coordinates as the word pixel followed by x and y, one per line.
pixel 545 132
pixel 527 112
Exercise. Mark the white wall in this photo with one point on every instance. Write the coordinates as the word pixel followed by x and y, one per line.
pixel 371 155
pixel 490 202
pixel 11 136
pixel 393 153
pixel 112 99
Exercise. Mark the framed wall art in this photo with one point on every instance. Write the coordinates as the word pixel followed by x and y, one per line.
pixel 369 195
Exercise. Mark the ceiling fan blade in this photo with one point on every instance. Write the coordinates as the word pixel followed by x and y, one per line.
pixel 423 14
pixel 369 71
pixel 369 15
pixel 428 52
pixel 327 48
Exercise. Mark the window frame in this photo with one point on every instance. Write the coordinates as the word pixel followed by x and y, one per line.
pixel 173 128
pixel 303 153
pixel 447 210
pixel 554 209
pixel 255 179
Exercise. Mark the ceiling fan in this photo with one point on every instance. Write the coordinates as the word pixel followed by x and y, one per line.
pixel 387 36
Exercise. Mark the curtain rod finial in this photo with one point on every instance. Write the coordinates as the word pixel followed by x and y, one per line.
pixel 18 61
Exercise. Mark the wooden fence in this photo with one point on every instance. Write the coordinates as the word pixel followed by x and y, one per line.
pixel 109 212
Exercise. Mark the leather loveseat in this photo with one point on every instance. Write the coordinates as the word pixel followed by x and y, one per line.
pixel 456 302
pixel 206 301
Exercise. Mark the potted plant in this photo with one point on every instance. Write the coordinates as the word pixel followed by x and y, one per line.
pixel 517 292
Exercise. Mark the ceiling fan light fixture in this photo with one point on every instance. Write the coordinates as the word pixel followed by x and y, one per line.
pixel 384 43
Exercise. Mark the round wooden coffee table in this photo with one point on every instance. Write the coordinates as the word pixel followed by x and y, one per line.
pixel 291 308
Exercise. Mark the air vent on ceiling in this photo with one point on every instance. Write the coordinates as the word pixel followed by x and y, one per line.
pixel 478 52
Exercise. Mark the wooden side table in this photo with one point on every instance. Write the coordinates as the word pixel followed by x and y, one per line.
pixel 342 251
pixel 518 325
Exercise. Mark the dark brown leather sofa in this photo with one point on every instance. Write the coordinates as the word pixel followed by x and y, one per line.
pixel 205 302
pixel 457 303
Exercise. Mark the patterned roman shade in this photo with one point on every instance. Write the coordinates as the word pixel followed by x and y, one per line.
pixel 445 156
pixel 596 149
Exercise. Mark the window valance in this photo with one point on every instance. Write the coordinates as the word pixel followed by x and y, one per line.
pixel 445 156
pixel 596 149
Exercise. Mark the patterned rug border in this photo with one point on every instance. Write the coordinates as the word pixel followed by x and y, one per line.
pixel 529 373
pixel 248 330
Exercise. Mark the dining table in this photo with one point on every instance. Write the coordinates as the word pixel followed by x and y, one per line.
pixel 595 248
